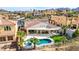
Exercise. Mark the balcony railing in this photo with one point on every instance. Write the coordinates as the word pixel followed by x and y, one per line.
pixel 3 33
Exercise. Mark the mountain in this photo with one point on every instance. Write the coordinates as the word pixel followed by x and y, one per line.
pixel 76 9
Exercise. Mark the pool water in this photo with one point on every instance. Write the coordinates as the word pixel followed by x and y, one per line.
pixel 43 41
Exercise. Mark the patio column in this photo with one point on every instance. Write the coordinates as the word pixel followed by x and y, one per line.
pixel 40 31
pixel 37 31
pixel 6 38
pixel 27 32
pixel 49 32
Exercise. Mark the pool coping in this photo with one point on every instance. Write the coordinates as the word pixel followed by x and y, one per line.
pixel 52 42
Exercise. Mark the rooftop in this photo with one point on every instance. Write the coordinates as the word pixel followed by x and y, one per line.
pixel 6 22
pixel 32 22
pixel 44 26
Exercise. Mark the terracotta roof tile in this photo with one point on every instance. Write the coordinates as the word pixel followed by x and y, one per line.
pixel 31 23
pixel 6 22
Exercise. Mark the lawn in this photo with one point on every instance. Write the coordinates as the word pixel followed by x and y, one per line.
pixel 58 38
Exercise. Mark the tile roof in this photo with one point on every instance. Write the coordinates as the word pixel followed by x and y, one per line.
pixel 34 22
pixel 39 25
pixel 31 23
pixel 43 25
pixel 6 22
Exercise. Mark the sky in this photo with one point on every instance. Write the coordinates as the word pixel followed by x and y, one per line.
pixel 17 5
pixel 24 8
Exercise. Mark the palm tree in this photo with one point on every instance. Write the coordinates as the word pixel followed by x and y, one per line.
pixel 77 24
pixel 64 30
pixel 34 41
pixel 71 14
pixel 64 40
pixel 66 18
pixel 20 35
pixel 71 20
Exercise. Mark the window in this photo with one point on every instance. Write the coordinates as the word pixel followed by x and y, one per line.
pixel 7 28
pixel 32 31
pixel 2 39
pixel 3 17
pixel 10 38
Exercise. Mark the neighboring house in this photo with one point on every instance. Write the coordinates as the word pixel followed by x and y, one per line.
pixel 63 20
pixel 49 12
pixel 7 31
pixel 13 16
pixel 4 16
pixel 37 13
pixel 43 12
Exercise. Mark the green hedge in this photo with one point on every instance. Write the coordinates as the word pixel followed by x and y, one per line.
pixel 76 33
pixel 58 38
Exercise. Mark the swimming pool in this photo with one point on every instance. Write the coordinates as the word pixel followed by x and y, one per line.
pixel 41 42
pixel 44 41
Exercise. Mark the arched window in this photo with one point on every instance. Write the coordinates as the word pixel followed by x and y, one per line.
pixel 7 28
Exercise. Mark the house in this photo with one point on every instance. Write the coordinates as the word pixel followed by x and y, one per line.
pixel 49 12
pixel 7 31
pixel 41 27
pixel 37 13
pixel 63 20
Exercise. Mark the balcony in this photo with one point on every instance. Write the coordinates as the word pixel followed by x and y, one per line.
pixel 7 33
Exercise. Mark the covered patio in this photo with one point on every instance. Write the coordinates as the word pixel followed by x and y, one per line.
pixel 43 29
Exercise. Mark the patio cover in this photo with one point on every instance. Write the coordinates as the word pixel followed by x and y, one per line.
pixel 44 26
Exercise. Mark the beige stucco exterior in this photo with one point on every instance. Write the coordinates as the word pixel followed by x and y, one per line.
pixel 7 34
pixel 63 20
pixel 49 12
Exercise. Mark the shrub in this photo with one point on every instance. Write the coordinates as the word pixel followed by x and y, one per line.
pixel 58 38
pixel 76 33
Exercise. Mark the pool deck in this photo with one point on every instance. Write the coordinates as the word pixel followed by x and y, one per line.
pixel 37 36
pixel 44 36
pixel 40 35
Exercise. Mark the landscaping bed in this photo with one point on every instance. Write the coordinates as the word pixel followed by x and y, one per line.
pixel 58 38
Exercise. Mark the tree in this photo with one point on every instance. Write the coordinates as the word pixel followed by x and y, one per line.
pixel 20 35
pixel 29 15
pixel 77 24
pixel 64 39
pixel 34 41
pixel 64 28
pixel 66 18
pixel 71 14
pixel 76 33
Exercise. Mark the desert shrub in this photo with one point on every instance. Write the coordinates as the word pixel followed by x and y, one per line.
pixel 76 33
